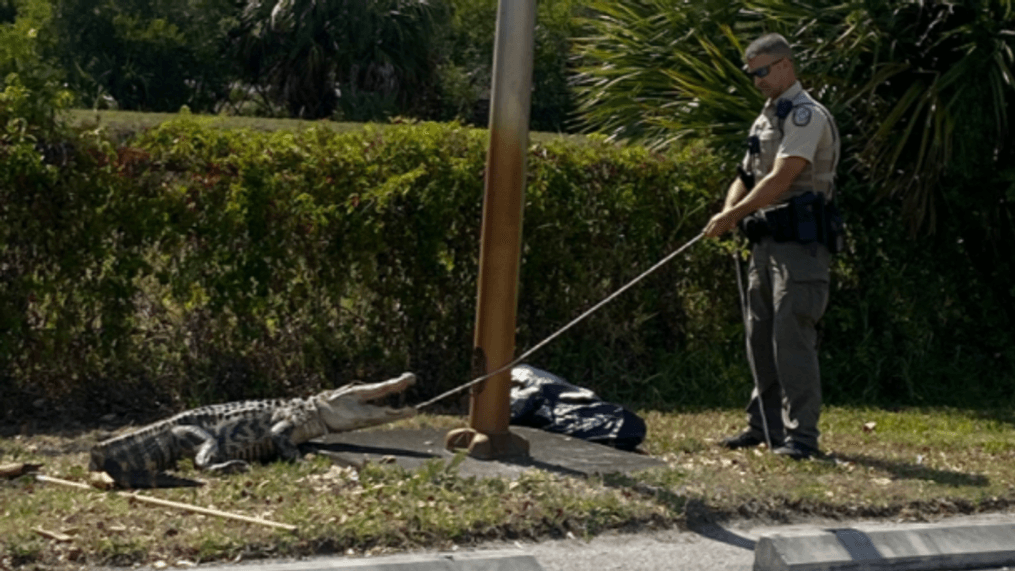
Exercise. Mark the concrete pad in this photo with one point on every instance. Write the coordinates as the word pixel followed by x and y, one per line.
pixel 411 448
pixel 925 547
pixel 474 561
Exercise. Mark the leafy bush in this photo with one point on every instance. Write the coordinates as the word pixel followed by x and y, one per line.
pixel 200 265
pixel 219 265
pixel 67 259
pixel 910 322
pixel 32 83
pixel 357 253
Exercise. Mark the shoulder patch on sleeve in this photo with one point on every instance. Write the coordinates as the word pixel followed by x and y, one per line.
pixel 801 116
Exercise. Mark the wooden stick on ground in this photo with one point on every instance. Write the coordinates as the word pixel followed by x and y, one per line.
pixel 17 469
pixel 172 504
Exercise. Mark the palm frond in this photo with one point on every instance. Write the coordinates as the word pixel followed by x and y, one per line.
pixel 911 80
pixel 656 71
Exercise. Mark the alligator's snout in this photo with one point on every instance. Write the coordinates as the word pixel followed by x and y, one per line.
pixel 348 407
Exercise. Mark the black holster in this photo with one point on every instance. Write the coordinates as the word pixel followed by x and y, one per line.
pixel 806 219
pixel 745 177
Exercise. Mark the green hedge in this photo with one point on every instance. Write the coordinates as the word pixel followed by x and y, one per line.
pixel 910 320
pixel 199 265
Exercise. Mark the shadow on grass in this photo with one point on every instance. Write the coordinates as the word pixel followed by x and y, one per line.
pixel 673 500
pixel 699 517
pixel 909 471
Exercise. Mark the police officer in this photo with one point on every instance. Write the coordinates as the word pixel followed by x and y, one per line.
pixel 786 177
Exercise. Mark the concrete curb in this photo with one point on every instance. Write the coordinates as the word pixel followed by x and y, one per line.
pixel 918 548
pixel 472 561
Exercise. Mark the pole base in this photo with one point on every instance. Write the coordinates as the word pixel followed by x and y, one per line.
pixel 487 446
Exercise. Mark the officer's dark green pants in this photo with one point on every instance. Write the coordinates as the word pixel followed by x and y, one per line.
pixel 787 294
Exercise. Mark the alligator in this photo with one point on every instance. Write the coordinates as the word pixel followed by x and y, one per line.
pixel 225 438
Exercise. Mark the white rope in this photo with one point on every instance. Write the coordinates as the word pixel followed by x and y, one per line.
pixel 560 331
pixel 750 352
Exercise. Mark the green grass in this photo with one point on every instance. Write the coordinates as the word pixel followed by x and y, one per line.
pixel 123 124
pixel 911 464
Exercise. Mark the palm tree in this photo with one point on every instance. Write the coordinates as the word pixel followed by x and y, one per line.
pixel 319 54
pixel 922 88
pixel 912 77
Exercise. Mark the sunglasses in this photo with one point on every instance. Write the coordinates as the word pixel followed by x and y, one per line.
pixel 763 70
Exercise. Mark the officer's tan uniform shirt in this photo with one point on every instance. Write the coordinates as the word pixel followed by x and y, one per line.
pixel 808 132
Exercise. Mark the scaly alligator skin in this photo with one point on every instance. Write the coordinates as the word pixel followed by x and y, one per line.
pixel 226 437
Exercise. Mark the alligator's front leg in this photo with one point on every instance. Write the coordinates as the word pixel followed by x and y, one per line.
pixel 282 437
pixel 203 447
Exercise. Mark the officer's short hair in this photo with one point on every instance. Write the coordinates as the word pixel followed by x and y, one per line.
pixel 771 44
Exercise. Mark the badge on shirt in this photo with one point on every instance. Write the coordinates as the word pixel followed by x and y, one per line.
pixel 801 116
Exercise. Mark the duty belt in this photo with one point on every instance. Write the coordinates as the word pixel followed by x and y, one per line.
pixel 806 218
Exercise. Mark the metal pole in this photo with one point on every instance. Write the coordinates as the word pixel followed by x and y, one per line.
pixel 500 246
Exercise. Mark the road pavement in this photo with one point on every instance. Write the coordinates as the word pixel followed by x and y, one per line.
pixel 709 547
